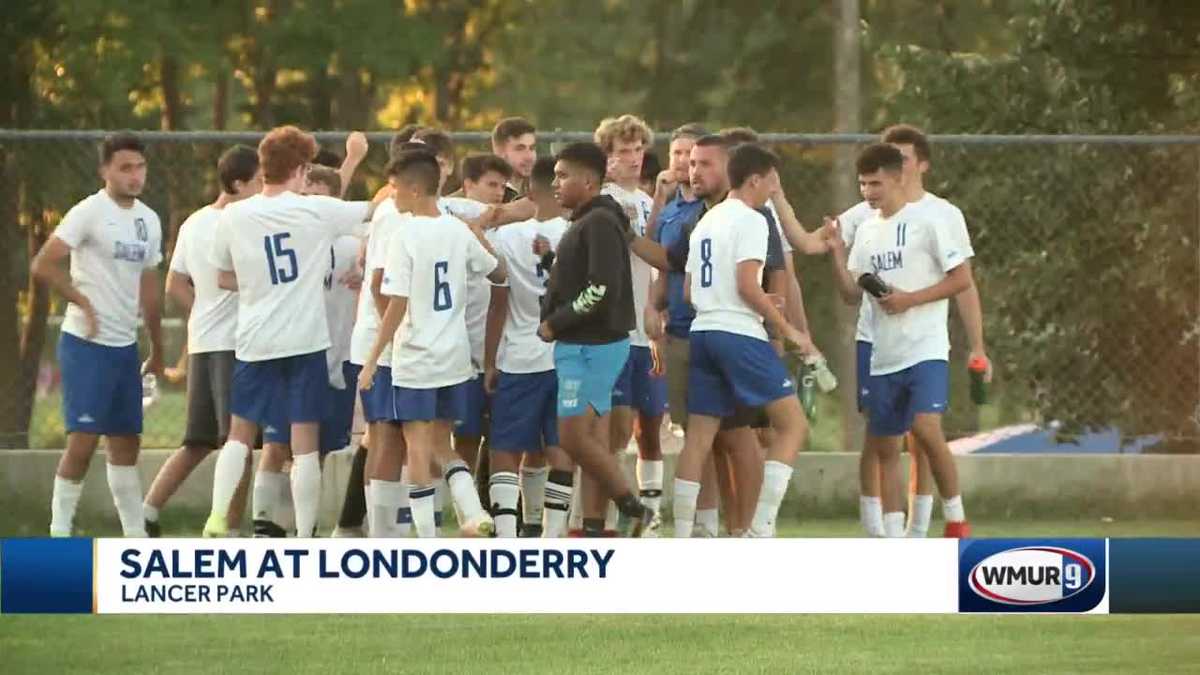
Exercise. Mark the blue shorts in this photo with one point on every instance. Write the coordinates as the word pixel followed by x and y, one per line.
pixel 525 412
pixel 896 398
pixel 426 405
pixel 637 388
pixel 728 370
pixel 102 387
pixel 471 423
pixel 862 364
pixel 587 374
pixel 379 402
pixel 293 388
pixel 336 428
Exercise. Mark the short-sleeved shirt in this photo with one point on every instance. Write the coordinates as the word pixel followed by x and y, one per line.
pixel 730 233
pixel 480 295
pixel 910 251
pixel 212 323
pixel 340 302
pixel 637 206
pixel 521 350
pixel 111 246
pixel 278 246
pixel 673 221
pixel 366 321
pixel 430 261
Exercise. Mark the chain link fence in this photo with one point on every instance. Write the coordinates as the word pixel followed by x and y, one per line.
pixel 1087 260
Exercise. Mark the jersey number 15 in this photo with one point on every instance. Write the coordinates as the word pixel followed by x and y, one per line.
pixel 278 254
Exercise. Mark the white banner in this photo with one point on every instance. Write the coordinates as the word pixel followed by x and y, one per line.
pixel 285 576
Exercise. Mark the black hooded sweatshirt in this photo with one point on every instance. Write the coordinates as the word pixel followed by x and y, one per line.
pixel 589 298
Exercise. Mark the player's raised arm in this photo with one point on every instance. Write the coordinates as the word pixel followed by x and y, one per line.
pixel 356 151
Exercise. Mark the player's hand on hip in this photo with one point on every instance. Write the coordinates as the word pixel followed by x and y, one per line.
pixel 896 302
pixel 982 354
pixel 356 145
pixel 545 332
pixel 366 378
pixel 90 318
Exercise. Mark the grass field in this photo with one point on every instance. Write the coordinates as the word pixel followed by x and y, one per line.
pixel 597 644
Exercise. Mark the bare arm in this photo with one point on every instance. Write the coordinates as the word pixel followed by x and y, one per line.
pixel 396 309
pixel 846 284
pixel 48 269
pixel 381 300
pixel 503 214
pixel 970 310
pixel 794 309
pixel 651 251
pixel 751 291
pixel 500 274
pixel 356 150
pixel 151 297
pixel 811 243
pixel 497 312
pixel 180 290
pixel 227 280
pixel 956 281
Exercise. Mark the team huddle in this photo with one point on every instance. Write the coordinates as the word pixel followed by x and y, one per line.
pixel 520 331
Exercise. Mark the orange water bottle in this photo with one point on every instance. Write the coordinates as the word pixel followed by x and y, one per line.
pixel 978 368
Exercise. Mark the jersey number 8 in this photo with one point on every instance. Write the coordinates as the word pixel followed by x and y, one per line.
pixel 706 270
pixel 441 288
pixel 277 252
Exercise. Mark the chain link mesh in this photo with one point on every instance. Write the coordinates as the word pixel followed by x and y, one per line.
pixel 1086 259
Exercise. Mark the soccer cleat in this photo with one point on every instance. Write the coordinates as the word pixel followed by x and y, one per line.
pixel 651 531
pixel 340 532
pixel 215 527
pixel 957 530
pixel 153 529
pixel 531 531
pixel 634 528
pixel 701 532
pixel 265 529
pixel 479 526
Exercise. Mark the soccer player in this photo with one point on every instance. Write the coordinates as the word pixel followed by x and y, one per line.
pixel 588 310
pixel 732 362
pixel 514 139
pixel 923 263
pixel 273 249
pixel 211 335
pixel 520 370
pixel 426 276
pixel 485 178
pixel 114 242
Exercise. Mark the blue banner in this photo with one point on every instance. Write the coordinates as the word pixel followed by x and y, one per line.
pixel 46 576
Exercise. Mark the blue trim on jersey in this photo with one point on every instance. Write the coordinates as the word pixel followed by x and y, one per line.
pixel 636 388
pixel 728 370
pixel 525 412
pixel 895 399
pixel 102 387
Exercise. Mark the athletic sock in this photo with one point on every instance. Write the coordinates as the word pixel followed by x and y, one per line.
pixel 268 488
pixel 952 509
pixel 126 487
pixel 559 487
pixel 463 491
pixel 63 504
pixel 231 464
pixel 593 527
pixel 421 500
pixel 533 494
pixel 306 492
pixel 354 504
pixel 385 505
pixel 440 488
pixel 370 514
pixel 404 517
pixel 650 482
pixel 893 524
pixel 686 494
pixel 709 522
pixel 612 512
pixel 922 512
pixel 870 514
pixel 150 512
pixel 503 492
pixel 776 476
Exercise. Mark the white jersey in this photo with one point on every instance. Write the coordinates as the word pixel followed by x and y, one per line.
pixel 637 206
pixel 340 305
pixel 212 323
pixel 429 261
pixel 479 296
pixel 731 232
pixel 110 248
pixel 521 350
pixel 783 240
pixel 848 223
pixel 367 319
pixel 279 249
pixel 909 251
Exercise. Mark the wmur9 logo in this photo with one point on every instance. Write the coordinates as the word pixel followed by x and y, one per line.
pixel 1007 575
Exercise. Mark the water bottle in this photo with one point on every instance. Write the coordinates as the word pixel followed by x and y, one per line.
pixel 826 380
pixel 978 368
pixel 807 381
pixel 149 390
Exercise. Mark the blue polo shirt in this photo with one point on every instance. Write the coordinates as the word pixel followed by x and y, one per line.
pixel 672 233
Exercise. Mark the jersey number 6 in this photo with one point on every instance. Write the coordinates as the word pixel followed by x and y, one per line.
pixel 441 288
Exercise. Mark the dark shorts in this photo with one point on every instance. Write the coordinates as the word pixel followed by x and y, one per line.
pixel 637 388
pixel 102 387
pixel 295 388
pixel 525 412
pixel 209 383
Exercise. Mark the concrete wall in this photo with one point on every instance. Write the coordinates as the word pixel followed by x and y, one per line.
pixel 824 484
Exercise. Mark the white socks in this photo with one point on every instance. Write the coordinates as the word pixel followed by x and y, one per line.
pixel 870 514
pixel 126 488
pixel 560 485
pixel 267 493
pixel 404 519
pixel 708 522
pixel 462 490
pixel 150 512
pixel 63 505
pixel 439 501
pixel 952 509
pixel 503 492
pixel 306 492
pixel 384 507
pixel 650 483
pixel 922 512
pixel 893 524
pixel 421 501
pixel 533 494
pixel 231 463
pixel 776 476
pixel 686 494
